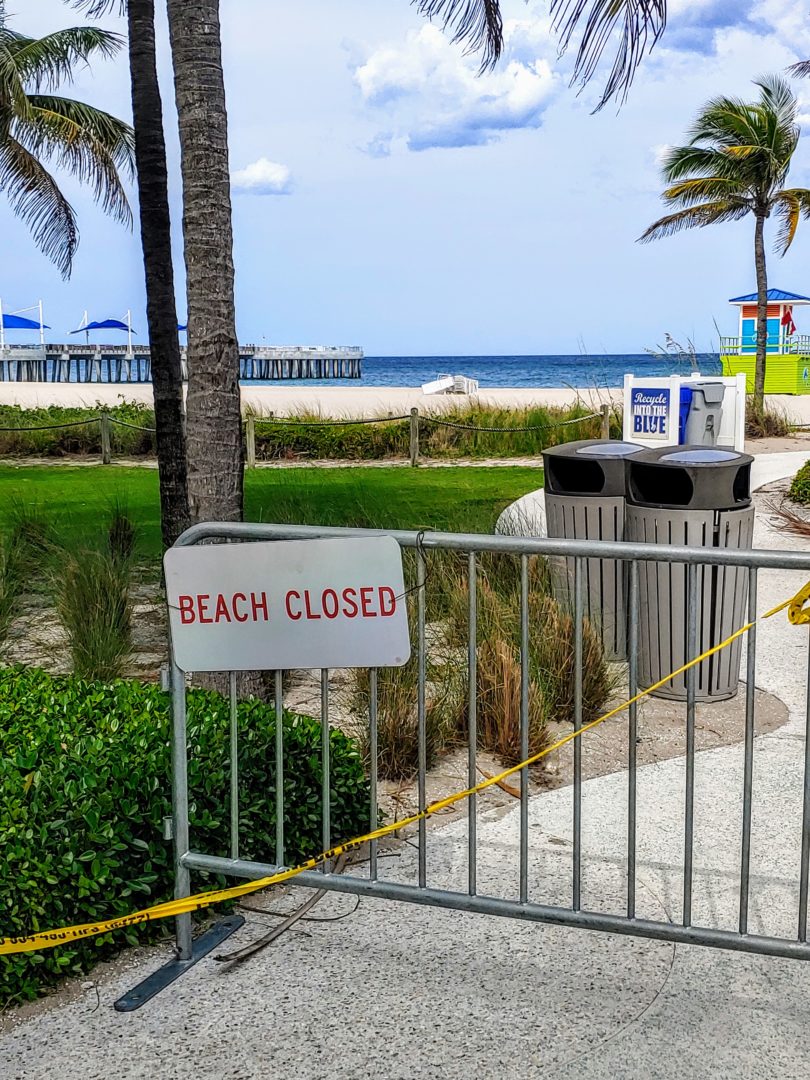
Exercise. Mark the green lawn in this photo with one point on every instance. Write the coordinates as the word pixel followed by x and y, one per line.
pixel 461 499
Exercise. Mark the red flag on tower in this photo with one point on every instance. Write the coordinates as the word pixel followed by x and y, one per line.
pixel 787 321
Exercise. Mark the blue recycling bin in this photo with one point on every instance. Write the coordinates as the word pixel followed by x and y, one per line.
pixel 685 406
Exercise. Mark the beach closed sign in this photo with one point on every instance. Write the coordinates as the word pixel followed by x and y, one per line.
pixel 650 412
pixel 288 604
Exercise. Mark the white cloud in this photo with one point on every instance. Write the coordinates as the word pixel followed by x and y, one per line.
pixel 436 98
pixel 262 177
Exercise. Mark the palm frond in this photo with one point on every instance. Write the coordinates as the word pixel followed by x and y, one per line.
pixel 778 97
pixel 477 24
pixel 801 70
pixel 789 205
pixel 35 196
pixel 695 217
pixel 788 210
pixel 681 162
pixel 89 143
pixel 47 62
pixel 96 8
pixel 637 24
pixel 714 188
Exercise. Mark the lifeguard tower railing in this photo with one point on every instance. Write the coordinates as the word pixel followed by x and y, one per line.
pixel 796 345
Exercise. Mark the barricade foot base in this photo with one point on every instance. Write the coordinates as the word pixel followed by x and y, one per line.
pixel 172 971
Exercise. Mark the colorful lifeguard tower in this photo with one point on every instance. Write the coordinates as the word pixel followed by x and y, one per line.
pixel 787 367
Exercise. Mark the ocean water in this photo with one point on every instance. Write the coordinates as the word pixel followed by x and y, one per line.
pixel 526 371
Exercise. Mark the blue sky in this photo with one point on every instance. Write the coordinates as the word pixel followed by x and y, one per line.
pixel 385 196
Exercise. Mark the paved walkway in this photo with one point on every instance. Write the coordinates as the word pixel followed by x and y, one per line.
pixel 395 991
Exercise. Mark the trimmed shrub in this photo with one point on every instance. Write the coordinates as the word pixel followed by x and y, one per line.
pixel 800 487
pixel 85 781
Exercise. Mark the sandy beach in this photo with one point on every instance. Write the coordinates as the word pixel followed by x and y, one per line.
pixel 343 401
pixel 286 400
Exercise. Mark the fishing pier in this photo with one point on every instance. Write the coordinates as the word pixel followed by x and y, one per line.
pixel 119 364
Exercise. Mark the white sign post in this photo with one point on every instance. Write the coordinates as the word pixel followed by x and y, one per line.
pixel 288 604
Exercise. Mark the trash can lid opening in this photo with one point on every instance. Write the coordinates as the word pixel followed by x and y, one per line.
pixel 700 457
pixel 611 449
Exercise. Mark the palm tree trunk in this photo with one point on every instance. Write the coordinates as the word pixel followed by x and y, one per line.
pixel 762 309
pixel 161 310
pixel 214 432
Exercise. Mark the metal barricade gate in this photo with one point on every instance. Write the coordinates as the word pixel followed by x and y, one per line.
pixel 521 905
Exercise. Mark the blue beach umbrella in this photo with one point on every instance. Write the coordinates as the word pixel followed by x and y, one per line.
pixel 18 322
pixel 15 320
pixel 106 324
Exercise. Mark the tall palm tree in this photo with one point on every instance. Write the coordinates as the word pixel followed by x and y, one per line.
pixel 156 242
pixel 214 442
pixel 735 164
pixel 38 128
pixel 213 410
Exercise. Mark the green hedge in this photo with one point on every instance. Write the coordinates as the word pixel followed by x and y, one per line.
pixel 85 774
pixel 800 487
pixel 306 439
pixel 85 438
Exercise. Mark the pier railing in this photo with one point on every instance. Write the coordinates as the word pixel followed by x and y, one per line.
pixel 118 364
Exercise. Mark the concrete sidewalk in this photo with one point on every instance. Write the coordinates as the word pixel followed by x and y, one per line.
pixel 395 991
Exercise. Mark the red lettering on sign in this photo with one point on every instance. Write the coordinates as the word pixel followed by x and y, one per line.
pixel 222 609
pixel 259 605
pixel 387 593
pixel 350 607
pixel 186 605
pixel 295 616
pixel 310 613
pixel 202 608
pixel 365 602
pixel 239 596
pixel 330 603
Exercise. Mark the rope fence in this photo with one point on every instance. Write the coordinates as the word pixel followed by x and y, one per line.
pixel 250 422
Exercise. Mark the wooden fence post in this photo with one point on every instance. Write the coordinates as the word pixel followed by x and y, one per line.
pixel 106 457
pixel 414 445
pixel 605 421
pixel 250 440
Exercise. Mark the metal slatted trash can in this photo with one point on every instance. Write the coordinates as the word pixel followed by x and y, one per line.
pixel 585 500
pixel 697 497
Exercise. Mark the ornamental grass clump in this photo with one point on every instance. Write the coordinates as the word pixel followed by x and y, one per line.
pixel 85 782
pixel 499 686
pixel 93 601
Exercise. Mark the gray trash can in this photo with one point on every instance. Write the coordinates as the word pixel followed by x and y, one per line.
pixel 585 486
pixel 705 413
pixel 699 497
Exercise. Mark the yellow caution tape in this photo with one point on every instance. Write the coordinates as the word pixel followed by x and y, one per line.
pixel 49 939
pixel 798 612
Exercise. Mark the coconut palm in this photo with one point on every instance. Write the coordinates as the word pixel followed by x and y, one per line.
pixel 635 26
pixel 735 164
pixel 156 242
pixel 39 128
pixel 214 440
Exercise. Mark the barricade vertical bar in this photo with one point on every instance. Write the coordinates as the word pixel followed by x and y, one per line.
pixel 472 722
pixel 524 727
pixel 182 876
pixel 748 770
pixel 578 617
pixel 234 734
pixel 420 712
pixel 373 818
pixel 804 871
pixel 632 735
pixel 279 689
pixel 326 802
pixel 689 805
